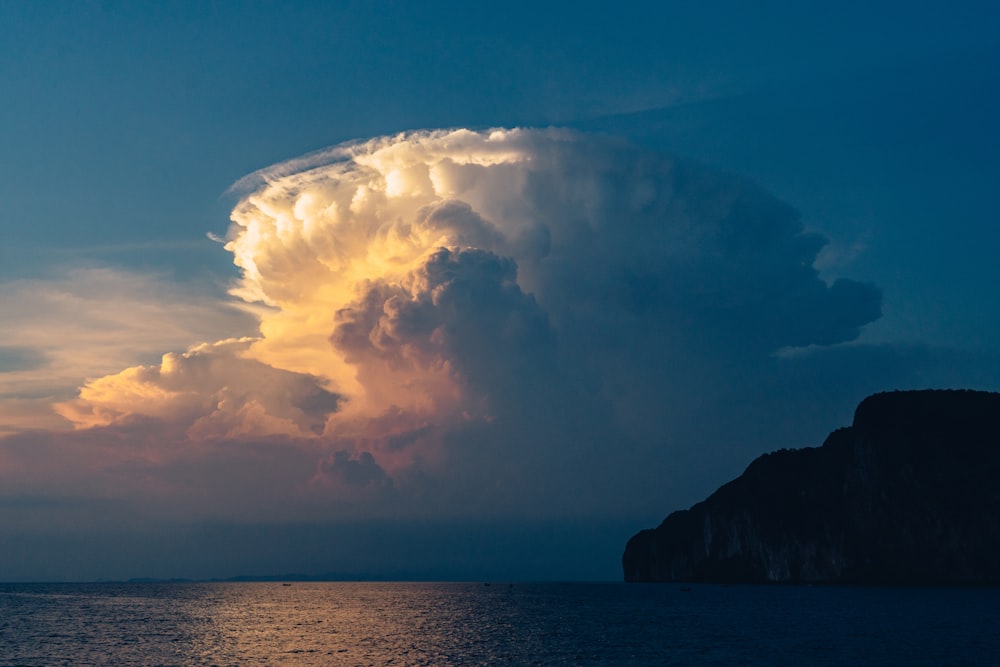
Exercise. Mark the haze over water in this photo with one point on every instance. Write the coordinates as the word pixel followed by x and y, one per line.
pixel 496 624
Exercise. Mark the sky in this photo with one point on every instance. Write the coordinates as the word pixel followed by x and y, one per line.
pixel 448 291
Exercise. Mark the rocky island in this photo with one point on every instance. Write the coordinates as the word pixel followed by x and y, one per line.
pixel 908 494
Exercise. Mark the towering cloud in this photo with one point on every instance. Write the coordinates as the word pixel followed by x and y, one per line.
pixel 456 314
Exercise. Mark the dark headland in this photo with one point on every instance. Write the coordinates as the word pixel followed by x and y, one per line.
pixel 908 494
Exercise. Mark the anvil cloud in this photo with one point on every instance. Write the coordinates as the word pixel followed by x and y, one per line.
pixel 448 318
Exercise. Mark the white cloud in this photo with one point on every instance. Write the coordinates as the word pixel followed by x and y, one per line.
pixel 638 262
pixel 504 318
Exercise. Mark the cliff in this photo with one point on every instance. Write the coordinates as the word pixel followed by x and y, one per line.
pixel 908 494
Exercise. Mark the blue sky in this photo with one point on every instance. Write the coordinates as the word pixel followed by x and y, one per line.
pixel 125 125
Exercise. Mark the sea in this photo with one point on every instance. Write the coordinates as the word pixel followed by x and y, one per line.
pixel 494 623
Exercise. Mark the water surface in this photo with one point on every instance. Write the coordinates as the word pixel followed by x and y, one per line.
pixel 498 624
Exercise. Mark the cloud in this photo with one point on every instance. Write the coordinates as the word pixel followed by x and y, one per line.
pixel 210 390
pixel 457 321
pixel 89 322
pixel 359 471
pixel 20 358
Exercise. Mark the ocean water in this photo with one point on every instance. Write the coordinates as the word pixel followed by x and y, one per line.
pixel 496 624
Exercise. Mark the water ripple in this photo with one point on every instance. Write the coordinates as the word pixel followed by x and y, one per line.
pixel 307 624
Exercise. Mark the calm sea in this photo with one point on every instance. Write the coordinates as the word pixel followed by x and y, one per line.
pixel 497 624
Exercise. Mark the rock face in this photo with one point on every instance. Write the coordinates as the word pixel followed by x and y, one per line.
pixel 910 493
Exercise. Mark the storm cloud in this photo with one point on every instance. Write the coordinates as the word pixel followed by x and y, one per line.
pixel 469 321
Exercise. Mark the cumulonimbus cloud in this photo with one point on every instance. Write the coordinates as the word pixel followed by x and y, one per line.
pixel 436 293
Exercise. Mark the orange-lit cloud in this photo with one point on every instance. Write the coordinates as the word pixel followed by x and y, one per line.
pixel 212 390
pixel 90 322
pixel 450 316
